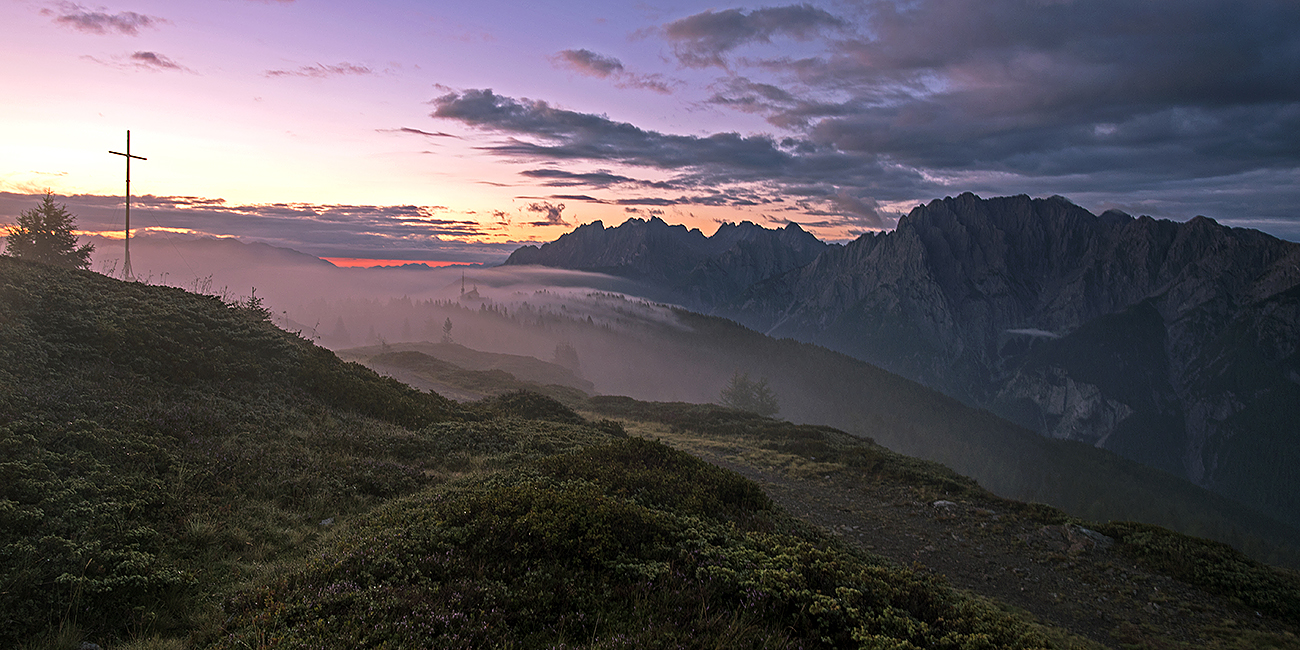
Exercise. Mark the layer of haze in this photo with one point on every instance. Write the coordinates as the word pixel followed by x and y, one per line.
pixel 513 310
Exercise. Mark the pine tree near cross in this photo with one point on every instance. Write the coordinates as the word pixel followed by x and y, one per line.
pixel 44 234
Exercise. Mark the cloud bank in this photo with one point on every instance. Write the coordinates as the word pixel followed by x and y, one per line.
pixel 1164 107
pixel 318 71
pixel 80 18
pixel 356 231
pixel 590 64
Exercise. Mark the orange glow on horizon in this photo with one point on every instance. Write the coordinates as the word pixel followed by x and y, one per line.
pixel 362 262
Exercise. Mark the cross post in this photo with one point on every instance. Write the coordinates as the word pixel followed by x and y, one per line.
pixel 126 263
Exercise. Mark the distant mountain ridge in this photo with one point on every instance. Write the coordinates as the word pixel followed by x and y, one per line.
pixel 683 265
pixel 1174 344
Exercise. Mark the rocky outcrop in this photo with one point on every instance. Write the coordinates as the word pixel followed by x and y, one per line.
pixel 678 264
pixel 1169 343
pixel 1173 344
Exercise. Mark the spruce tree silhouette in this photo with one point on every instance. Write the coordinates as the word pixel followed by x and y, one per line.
pixel 44 234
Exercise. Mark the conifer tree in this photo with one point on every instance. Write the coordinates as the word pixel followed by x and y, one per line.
pixel 44 234
pixel 747 395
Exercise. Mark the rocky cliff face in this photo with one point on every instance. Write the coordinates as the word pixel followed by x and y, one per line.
pixel 1170 343
pixel 1173 344
pixel 680 265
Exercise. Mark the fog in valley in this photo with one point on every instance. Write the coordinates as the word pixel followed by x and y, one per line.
pixel 594 333
pixel 624 345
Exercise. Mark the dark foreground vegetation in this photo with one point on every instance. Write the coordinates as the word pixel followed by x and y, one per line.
pixel 176 473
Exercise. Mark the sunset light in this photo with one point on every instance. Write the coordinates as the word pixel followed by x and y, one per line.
pixel 785 324
pixel 352 262
pixel 347 130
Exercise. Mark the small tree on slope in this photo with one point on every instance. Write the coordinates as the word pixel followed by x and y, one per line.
pixel 44 234
pixel 746 395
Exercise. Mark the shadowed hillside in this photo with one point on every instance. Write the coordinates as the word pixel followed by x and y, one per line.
pixel 179 473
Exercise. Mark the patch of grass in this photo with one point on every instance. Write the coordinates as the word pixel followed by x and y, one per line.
pixel 489 382
pixel 807 449
pixel 1213 566
pixel 629 544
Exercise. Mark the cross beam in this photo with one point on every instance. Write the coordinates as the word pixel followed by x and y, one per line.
pixel 126 264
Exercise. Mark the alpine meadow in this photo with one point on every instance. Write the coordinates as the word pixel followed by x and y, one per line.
pixel 852 324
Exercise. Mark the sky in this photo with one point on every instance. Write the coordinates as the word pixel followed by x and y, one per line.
pixel 438 131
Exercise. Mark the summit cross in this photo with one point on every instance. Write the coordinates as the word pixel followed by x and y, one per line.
pixel 126 263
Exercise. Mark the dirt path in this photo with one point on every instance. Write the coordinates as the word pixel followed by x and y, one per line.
pixel 1063 575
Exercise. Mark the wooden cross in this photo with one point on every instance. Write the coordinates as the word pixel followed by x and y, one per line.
pixel 126 264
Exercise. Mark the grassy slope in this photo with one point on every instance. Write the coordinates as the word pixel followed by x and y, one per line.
pixel 634 350
pixel 179 473
pixel 441 366
pixel 818 385
pixel 160 446
pixel 811 455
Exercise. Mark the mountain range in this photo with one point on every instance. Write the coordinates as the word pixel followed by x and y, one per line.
pixel 1173 344
pixel 677 264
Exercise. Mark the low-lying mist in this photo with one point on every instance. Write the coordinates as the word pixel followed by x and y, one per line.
pixel 592 325
pixel 621 341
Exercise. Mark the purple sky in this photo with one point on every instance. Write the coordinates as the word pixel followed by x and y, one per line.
pixel 407 130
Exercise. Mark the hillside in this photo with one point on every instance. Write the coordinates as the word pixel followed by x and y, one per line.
pixel 458 372
pixel 179 473
pixel 655 353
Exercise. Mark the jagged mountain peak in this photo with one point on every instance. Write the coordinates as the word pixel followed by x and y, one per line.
pixel 679 264
pixel 934 301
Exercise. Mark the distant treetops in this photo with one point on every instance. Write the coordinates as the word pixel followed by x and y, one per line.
pixel 44 234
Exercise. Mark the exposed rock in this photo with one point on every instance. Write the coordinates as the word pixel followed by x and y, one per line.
pixel 1072 539
pixel 1174 344
pixel 678 264
pixel 1068 409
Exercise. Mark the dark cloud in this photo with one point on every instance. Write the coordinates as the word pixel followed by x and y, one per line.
pixel 703 39
pixel 649 212
pixel 411 131
pixel 155 61
pixel 576 197
pixel 850 210
pixel 723 169
pixel 561 178
pixel 318 71
pixel 1175 107
pixel 590 64
pixel 98 21
pixel 742 94
pixel 553 213
pixel 1167 88
pixel 649 201
pixel 571 135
